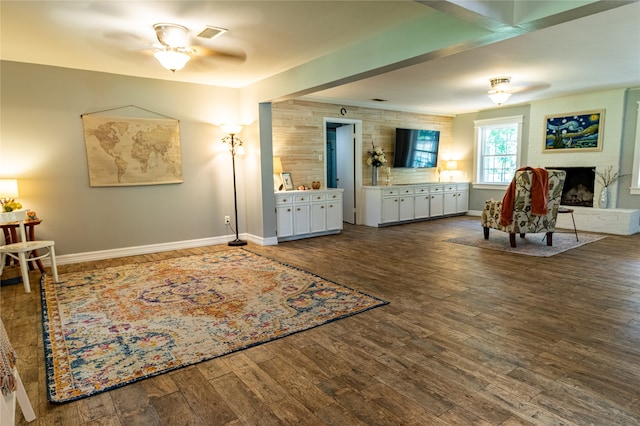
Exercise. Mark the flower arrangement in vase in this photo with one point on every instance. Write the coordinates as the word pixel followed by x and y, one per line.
pixel 375 158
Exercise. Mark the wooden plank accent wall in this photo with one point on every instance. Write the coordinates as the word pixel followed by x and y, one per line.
pixel 298 138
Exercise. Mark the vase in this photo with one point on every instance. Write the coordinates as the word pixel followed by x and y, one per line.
pixel 604 198
pixel 374 176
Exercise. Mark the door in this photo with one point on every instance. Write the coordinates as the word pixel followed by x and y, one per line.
pixel 345 170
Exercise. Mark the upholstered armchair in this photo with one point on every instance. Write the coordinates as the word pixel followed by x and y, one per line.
pixel 523 220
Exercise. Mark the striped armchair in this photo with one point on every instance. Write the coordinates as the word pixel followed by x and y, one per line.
pixel 523 220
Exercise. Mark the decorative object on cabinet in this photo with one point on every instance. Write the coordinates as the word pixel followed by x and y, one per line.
pixel 315 184
pixel 524 209
pixel 234 145
pixel 287 181
pixel 579 131
pixel 375 158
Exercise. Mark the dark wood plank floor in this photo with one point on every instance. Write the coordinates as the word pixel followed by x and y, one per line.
pixel 471 337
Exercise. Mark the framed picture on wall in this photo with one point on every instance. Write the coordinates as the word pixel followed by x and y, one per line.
pixel 287 181
pixel 578 131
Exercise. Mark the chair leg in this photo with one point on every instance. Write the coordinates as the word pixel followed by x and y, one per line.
pixel 549 238
pixel 522 234
pixel 54 266
pixel 24 267
pixel 512 239
pixel 486 232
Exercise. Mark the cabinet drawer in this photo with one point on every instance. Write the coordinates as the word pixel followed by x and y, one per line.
pixel 452 187
pixel 390 192
pixel 406 191
pixel 418 190
pixel 301 198
pixel 334 196
pixel 463 187
pixel 283 199
pixel 318 197
pixel 437 188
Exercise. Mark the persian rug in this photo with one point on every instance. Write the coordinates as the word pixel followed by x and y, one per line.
pixel 111 327
pixel 532 244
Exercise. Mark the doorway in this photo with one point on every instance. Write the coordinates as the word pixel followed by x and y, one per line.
pixel 343 168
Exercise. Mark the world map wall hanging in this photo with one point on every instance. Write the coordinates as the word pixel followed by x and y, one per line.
pixel 127 151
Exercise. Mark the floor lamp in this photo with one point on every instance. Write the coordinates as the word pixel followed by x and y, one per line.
pixel 234 143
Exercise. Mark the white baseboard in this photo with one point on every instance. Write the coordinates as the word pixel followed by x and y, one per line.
pixel 66 259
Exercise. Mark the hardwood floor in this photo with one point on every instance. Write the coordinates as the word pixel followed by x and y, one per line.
pixel 470 337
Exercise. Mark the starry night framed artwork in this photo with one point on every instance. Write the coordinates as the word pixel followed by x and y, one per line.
pixel 579 131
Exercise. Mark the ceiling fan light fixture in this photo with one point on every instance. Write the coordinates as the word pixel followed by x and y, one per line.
pixel 172 35
pixel 500 90
pixel 172 59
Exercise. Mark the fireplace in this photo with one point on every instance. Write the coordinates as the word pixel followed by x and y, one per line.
pixel 578 186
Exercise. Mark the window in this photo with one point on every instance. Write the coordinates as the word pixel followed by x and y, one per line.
pixel 497 149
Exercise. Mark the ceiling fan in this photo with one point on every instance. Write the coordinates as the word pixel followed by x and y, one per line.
pixel 173 50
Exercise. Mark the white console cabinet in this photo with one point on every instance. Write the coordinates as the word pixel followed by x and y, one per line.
pixel 389 205
pixel 303 214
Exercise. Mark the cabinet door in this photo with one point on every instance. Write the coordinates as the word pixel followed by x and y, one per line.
pixel 301 219
pixel 390 211
pixel 334 215
pixel 406 207
pixel 462 203
pixel 421 206
pixel 284 225
pixel 436 206
pixel 450 202
pixel 318 217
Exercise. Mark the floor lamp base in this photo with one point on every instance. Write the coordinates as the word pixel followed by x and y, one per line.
pixel 237 242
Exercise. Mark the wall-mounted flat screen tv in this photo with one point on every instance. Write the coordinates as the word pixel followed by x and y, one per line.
pixel 416 148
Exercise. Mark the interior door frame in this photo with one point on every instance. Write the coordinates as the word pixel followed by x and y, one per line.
pixel 357 160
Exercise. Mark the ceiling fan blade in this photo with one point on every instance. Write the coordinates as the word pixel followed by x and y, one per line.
pixel 205 52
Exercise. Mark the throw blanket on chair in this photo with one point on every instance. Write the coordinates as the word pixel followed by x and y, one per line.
pixel 539 195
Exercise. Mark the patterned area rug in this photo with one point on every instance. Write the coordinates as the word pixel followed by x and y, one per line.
pixel 532 244
pixel 114 326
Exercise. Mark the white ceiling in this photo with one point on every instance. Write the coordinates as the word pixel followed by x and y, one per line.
pixel 393 50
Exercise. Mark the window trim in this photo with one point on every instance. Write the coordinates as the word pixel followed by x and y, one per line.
pixel 477 124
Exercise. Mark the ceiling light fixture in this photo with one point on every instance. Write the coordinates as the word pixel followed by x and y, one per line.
pixel 500 90
pixel 172 58
pixel 174 52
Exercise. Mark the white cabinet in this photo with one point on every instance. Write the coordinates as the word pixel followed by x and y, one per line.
pixel 421 202
pixel 390 211
pixel 436 202
pixel 456 198
pixel 406 204
pixel 302 214
pixel 284 215
pixel 388 205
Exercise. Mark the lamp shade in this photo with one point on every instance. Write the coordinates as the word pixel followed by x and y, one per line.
pixel 452 165
pixel 277 165
pixel 8 188
pixel 499 98
pixel 172 59
pixel 232 129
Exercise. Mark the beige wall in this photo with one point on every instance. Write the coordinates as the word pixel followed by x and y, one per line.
pixel 298 138
pixel 42 145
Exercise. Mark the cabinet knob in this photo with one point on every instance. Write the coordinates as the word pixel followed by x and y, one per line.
pixel 288 210
pixel 330 206
pixel 284 200
pixel 322 207
pixel 298 209
pixel 302 199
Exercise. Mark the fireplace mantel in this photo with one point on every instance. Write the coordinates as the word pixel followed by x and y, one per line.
pixel 608 221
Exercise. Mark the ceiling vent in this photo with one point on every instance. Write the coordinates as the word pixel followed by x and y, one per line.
pixel 211 32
